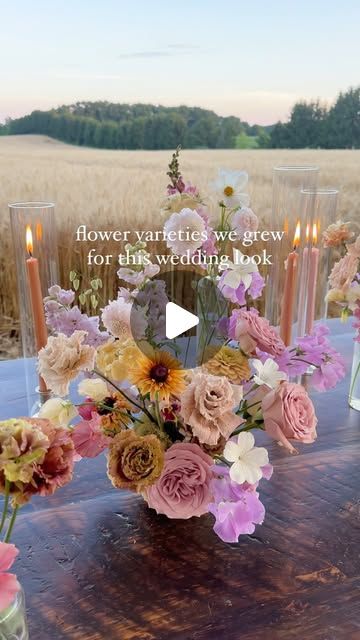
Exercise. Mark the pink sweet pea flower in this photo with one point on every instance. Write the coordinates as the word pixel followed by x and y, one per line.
pixel 9 585
pixel 88 437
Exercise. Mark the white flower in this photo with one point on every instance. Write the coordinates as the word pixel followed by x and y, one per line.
pixel 238 271
pixel 185 231
pixel 229 186
pixel 121 323
pixel 268 373
pixel 247 459
pixel 94 388
pixel 59 412
pixel 178 201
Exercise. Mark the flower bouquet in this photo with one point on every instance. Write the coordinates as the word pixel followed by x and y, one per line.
pixel 182 438
pixel 344 281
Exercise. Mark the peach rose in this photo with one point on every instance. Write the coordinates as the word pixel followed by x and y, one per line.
pixel 289 415
pixel 183 489
pixel 207 408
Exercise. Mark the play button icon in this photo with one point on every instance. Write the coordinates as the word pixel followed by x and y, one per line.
pixel 181 312
pixel 178 320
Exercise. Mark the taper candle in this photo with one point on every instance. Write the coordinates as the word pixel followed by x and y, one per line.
pixel 36 296
pixel 312 284
pixel 288 301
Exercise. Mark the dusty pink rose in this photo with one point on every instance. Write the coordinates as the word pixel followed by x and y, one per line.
pixel 183 489
pixel 207 406
pixel 56 469
pixel 88 437
pixel 289 415
pixel 251 331
pixel 63 359
pixel 9 585
pixel 344 271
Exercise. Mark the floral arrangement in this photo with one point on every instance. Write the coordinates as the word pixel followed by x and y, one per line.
pixel 344 279
pixel 181 438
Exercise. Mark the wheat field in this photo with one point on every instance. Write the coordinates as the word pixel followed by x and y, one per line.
pixel 123 189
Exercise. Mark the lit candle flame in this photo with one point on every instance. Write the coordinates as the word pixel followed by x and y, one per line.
pixel 29 240
pixel 39 231
pixel 314 233
pixel 307 232
pixel 297 235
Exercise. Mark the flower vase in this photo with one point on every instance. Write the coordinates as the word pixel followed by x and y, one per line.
pixel 211 308
pixel 13 622
pixel 354 392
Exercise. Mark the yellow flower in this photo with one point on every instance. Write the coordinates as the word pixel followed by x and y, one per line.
pixel 158 374
pixel 113 358
pixel 228 362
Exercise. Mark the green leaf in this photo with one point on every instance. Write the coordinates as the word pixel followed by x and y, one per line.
pixel 94 301
pixel 94 284
pixel 76 284
pixel 72 276
pixel 82 298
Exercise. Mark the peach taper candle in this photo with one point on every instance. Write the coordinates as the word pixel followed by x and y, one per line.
pixel 288 301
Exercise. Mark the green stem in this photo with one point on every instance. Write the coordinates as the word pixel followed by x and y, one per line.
pixel 11 524
pixel 6 505
pixel 135 404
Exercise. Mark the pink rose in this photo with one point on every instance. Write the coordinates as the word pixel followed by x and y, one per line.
pixel 9 585
pixel 183 489
pixel 289 414
pixel 251 331
pixel 244 220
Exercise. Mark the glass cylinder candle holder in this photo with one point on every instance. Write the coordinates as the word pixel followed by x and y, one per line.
pixel 291 221
pixel 36 256
pixel 319 206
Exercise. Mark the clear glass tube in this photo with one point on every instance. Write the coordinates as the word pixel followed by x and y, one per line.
pixel 318 205
pixel 13 622
pixel 292 220
pixel 354 391
pixel 40 216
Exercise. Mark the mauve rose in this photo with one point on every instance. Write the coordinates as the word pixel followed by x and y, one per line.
pixel 289 415
pixel 251 331
pixel 183 489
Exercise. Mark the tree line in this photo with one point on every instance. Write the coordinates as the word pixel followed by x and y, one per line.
pixel 315 125
pixel 122 126
pixel 144 126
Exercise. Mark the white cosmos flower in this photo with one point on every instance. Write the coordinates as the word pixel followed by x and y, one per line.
pixel 238 271
pixel 246 458
pixel 229 185
pixel 268 373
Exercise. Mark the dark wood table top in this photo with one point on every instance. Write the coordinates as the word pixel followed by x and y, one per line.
pixel 97 564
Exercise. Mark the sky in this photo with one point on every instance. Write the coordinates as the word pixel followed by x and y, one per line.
pixel 250 59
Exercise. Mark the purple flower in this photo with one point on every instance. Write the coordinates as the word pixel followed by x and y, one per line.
pixel 63 296
pixel 67 321
pixel 237 508
pixel 238 295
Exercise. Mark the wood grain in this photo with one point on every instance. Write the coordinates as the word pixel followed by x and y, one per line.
pixel 96 563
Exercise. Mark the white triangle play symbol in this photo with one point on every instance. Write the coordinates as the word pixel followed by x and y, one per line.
pixel 178 320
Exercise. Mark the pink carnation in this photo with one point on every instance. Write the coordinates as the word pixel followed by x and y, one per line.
pixel 88 437
pixel 9 585
pixel 252 331
pixel 183 489
pixel 344 271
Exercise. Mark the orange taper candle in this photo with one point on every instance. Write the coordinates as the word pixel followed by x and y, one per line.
pixel 40 330
pixel 312 286
pixel 288 301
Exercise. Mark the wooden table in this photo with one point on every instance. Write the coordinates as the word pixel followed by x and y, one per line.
pixel 97 564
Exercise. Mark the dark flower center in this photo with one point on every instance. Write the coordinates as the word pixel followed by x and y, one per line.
pixel 159 373
pixel 106 406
